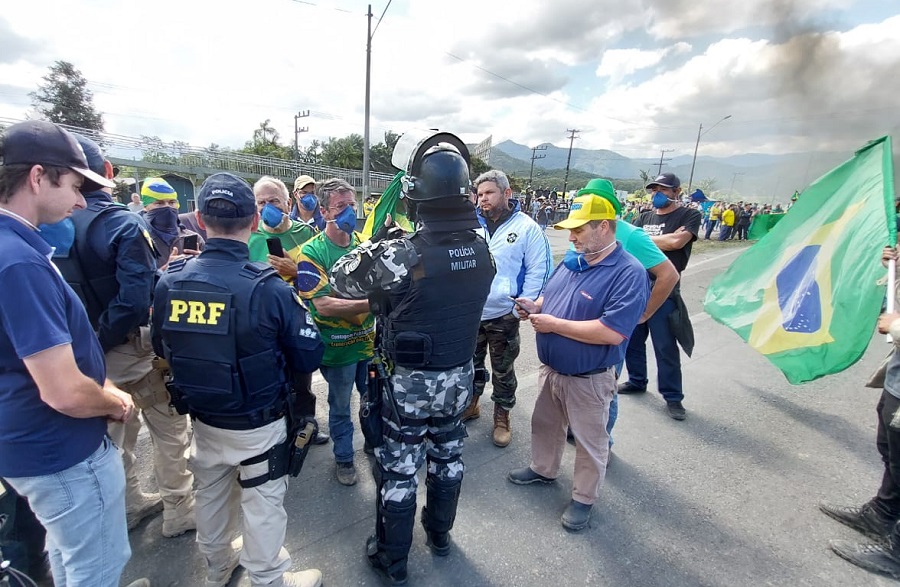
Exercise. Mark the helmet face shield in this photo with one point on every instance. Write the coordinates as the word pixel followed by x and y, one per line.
pixel 436 165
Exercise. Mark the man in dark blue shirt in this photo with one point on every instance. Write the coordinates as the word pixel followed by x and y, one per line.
pixel 592 302
pixel 112 264
pixel 54 395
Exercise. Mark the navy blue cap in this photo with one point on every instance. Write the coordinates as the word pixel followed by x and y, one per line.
pixel 666 180
pixel 228 187
pixel 36 142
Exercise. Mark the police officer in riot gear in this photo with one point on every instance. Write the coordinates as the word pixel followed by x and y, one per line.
pixel 426 353
pixel 111 264
pixel 232 331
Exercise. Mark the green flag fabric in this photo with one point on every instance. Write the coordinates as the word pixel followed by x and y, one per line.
pixel 762 224
pixel 808 294
pixel 387 204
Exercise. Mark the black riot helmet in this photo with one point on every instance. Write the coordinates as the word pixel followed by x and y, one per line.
pixel 436 165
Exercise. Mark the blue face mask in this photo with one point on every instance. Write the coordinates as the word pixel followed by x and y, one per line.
pixel 575 261
pixel 309 202
pixel 660 200
pixel 346 220
pixel 272 216
pixel 60 236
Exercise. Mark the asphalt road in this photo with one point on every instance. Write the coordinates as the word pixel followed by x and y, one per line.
pixel 725 498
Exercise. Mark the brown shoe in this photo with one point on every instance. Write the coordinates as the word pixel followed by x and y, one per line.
pixel 473 410
pixel 502 434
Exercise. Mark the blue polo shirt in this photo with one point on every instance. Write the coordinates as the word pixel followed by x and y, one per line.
pixel 614 291
pixel 38 311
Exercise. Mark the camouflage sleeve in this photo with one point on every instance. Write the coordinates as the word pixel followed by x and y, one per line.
pixel 373 267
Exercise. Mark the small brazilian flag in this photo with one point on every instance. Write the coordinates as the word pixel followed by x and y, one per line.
pixel 808 294
pixel 387 204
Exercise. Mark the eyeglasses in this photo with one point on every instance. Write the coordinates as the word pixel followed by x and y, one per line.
pixel 341 207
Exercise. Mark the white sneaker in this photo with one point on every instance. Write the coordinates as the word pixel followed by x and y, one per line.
pixel 140 583
pixel 220 575
pixel 307 578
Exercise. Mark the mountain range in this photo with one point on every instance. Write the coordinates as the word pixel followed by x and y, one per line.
pixel 757 177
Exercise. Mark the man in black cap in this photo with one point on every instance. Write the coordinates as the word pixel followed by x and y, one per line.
pixel 55 399
pixel 232 331
pixel 674 228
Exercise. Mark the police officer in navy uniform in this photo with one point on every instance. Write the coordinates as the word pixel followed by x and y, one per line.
pixel 428 289
pixel 105 253
pixel 232 331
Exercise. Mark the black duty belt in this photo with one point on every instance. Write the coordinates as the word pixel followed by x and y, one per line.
pixel 587 374
pixel 239 422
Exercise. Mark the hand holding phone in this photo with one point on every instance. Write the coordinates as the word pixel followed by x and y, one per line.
pixel 190 242
pixel 523 311
pixel 274 245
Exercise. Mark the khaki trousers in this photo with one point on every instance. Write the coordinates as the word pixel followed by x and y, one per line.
pixel 130 367
pixel 583 404
pixel 216 455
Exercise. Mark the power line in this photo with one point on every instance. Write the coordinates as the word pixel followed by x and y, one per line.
pixel 380 17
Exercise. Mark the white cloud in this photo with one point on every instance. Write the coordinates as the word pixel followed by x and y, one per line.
pixel 206 72
pixel 619 63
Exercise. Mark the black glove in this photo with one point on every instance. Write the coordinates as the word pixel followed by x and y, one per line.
pixel 387 232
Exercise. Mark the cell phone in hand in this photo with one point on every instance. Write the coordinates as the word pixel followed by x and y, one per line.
pixel 274 246
pixel 190 242
pixel 519 306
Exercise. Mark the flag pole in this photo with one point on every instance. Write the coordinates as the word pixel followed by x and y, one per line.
pixel 891 291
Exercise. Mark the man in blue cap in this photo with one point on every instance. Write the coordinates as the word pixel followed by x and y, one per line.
pixel 673 228
pixel 111 264
pixel 232 332
pixel 55 399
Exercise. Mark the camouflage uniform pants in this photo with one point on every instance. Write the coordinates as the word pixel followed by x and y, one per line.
pixel 419 395
pixel 501 337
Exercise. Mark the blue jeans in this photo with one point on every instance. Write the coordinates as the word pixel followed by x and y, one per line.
pixel 710 226
pixel 668 357
pixel 83 510
pixel 340 387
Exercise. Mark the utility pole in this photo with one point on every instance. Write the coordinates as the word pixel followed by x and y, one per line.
pixel 734 177
pixel 533 157
pixel 368 88
pixel 572 138
pixel 662 153
pixel 298 130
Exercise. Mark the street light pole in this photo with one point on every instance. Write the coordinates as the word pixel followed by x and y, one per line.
pixel 365 170
pixel 696 145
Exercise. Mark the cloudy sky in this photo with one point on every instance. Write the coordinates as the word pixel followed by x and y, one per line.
pixel 633 76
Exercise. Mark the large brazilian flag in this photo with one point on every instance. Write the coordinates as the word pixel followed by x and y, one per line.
pixel 387 204
pixel 808 294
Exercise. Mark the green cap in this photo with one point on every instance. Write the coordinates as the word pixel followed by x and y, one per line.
pixel 603 188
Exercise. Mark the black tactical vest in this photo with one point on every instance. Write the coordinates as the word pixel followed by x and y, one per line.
pixel 433 324
pixel 228 375
pixel 93 281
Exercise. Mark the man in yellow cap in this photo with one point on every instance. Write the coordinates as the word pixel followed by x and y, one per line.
pixel 590 305
pixel 306 204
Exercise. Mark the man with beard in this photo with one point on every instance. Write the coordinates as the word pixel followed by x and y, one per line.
pixel 522 257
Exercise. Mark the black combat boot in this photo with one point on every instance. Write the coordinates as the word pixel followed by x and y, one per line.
pixel 388 549
pixel 440 512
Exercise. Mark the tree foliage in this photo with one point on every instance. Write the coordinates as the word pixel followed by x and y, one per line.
pixel 64 98
pixel 265 142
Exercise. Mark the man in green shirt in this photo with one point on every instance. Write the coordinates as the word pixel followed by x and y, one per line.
pixel 347 326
